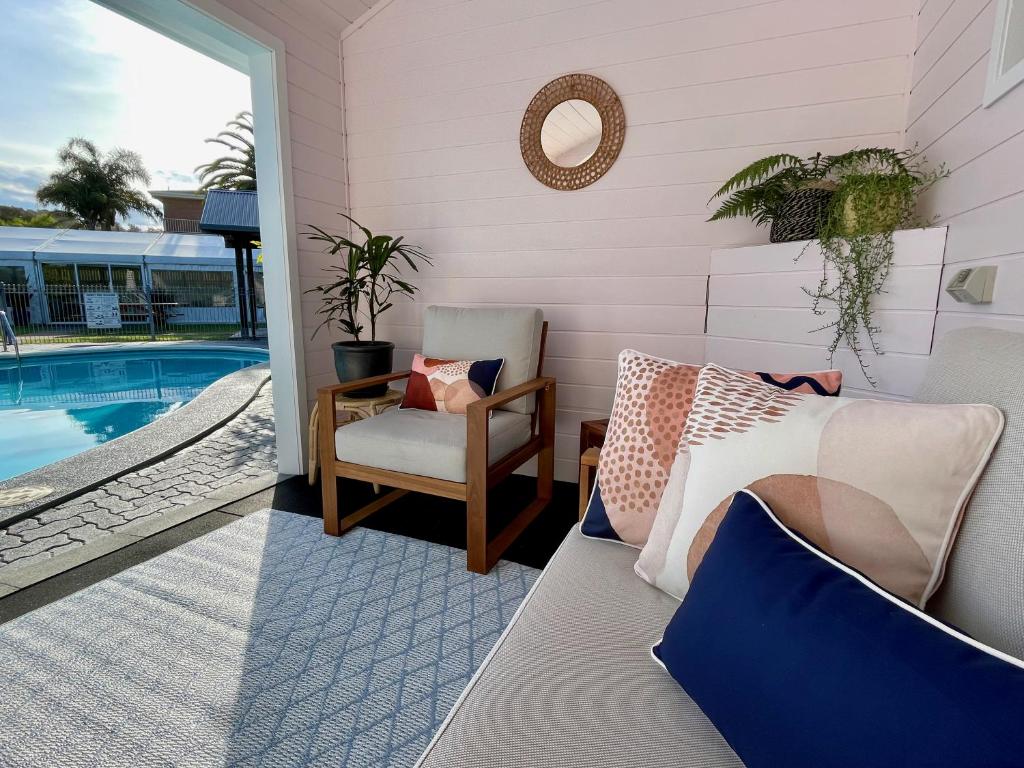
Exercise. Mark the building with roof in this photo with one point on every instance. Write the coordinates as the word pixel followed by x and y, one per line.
pixel 182 209
pixel 46 272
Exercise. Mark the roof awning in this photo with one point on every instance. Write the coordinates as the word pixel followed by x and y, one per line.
pixel 231 213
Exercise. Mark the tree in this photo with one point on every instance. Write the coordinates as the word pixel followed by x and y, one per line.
pixel 238 169
pixel 95 188
pixel 41 220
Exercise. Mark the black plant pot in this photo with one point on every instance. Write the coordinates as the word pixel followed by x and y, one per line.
pixel 800 215
pixel 359 359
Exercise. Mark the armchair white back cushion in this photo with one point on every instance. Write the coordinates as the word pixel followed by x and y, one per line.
pixel 472 333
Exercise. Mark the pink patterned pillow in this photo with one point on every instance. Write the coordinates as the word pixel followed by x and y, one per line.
pixel 653 398
pixel 879 485
pixel 449 386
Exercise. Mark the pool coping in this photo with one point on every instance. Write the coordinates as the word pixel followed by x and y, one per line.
pixel 81 347
pixel 217 404
pixel 15 577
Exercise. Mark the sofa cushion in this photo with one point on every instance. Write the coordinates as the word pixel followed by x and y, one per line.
pixel 802 662
pixel 652 399
pixel 983 592
pixel 880 485
pixel 477 333
pixel 570 684
pixel 425 443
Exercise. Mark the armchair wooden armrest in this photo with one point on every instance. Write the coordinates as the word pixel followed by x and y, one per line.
pixel 348 386
pixel 325 396
pixel 498 399
pixel 478 412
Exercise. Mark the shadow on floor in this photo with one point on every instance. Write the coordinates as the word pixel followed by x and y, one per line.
pixel 429 518
pixel 442 521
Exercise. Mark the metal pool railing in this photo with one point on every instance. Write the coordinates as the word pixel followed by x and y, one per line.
pixel 7 335
pixel 58 314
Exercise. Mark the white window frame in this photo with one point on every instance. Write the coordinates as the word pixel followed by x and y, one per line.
pixel 998 84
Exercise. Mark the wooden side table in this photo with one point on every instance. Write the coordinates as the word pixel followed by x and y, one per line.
pixel 592 434
pixel 357 408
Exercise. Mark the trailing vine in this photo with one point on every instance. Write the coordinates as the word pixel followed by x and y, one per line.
pixel 876 194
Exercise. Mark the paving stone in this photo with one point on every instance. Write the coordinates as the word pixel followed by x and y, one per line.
pixel 48 530
pixel 40 548
pixel 102 518
pixel 239 451
pixel 86 533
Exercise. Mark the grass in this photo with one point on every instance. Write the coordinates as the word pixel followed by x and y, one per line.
pixel 206 332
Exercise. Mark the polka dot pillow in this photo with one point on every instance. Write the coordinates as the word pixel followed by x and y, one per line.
pixel 653 398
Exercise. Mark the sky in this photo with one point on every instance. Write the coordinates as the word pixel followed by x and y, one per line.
pixel 72 68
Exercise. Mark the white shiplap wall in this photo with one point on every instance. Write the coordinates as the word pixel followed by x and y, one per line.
pixel 982 202
pixel 759 315
pixel 310 30
pixel 434 92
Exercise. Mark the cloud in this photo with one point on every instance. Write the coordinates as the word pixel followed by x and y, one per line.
pixel 73 68
pixel 173 179
pixel 18 184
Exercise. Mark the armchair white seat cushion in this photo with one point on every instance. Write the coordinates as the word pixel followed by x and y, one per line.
pixel 425 443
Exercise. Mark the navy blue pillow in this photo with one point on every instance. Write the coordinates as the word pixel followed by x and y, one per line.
pixel 800 661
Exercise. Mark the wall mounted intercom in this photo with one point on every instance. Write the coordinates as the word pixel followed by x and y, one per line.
pixel 973 286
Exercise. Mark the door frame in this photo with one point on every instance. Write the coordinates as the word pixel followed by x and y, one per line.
pixel 210 28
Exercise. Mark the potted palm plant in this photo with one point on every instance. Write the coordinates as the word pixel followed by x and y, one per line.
pixel 363 287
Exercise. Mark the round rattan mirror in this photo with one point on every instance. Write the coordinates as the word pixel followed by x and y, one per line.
pixel 572 131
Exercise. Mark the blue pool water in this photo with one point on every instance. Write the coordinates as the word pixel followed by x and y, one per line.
pixel 56 405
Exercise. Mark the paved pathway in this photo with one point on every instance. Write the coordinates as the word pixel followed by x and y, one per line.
pixel 241 450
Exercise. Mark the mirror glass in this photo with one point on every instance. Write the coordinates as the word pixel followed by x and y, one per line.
pixel 571 133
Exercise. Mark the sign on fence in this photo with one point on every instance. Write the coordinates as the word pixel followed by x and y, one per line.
pixel 102 310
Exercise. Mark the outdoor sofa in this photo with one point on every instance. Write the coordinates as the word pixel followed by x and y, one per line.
pixel 572 683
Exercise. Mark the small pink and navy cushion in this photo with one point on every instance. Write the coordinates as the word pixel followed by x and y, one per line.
pixel 802 662
pixel 448 386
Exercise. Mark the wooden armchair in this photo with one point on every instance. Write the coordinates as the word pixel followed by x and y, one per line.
pixel 453 456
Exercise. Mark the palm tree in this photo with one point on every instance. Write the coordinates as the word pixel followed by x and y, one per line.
pixel 238 169
pixel 95 188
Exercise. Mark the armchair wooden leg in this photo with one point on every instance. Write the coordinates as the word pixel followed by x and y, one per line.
pixel 329 492
pixel 546 458
pixel 328 479
pixel 477 450
pixel 476 530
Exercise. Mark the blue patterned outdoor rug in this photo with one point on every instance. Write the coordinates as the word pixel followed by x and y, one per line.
pixel 264 643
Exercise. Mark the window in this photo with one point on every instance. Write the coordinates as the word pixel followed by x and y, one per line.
pixel 126 279
pixel 15 296
pixel 1006 60
pixel 195 288
pixel 13 276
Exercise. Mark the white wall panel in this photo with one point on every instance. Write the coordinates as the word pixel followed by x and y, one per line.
pixel 434 97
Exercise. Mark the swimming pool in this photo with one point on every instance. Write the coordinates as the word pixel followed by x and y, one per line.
pixel 56 405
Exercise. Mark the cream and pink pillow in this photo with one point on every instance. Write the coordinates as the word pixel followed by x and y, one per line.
pixel 448 386
pixel 879 485
pixel 652 399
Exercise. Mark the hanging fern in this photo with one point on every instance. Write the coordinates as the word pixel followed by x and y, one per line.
pixel 877 191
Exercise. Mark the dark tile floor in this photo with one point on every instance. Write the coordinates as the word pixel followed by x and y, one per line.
pixel 423 517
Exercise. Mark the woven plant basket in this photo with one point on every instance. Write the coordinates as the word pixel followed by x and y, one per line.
pixel 800 215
